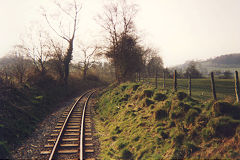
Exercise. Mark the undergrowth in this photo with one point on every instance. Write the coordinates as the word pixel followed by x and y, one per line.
pixel 136 121
pixel 23 107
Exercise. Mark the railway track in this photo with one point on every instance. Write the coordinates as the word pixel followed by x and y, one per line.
pixel 72 136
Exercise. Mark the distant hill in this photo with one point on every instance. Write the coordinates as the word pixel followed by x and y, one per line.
pixel 228 62
pixel 230 59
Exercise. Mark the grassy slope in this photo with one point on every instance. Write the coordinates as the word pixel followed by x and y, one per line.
pixel 22 108
pixel 137 122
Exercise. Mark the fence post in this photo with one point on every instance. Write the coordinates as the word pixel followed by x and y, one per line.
pixel 163 79
pixel 237 86
pixel 213 87
pixel 156 85
pixel 175 81
pixel 190 86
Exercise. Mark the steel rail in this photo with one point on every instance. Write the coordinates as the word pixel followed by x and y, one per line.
pixel 82 127
pixel 64 124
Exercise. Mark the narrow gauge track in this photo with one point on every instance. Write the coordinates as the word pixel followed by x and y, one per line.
pixel 71 138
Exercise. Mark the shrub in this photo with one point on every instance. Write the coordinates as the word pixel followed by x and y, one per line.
pixel 92 77
pixel 181 95
pixel 160 114
pixel 224 108
pixel 191 148
pixel 223 126
pixel 148 93
pixel 164 135
pixel 126 154
pixel 191 115
pixel 178 112
pixel 148 102
pixel 184 106
pixel 178 138
pixel 160 97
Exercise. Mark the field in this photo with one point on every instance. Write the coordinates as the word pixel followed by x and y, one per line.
pixel 201 88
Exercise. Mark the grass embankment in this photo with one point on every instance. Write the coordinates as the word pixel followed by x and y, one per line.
pixel 138 122
pixel 22 108
pixel 201 88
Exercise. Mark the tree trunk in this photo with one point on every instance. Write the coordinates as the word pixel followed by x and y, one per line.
pixel 67 60
pixel 84 73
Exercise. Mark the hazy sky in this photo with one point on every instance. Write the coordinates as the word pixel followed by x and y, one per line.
pixel 181 29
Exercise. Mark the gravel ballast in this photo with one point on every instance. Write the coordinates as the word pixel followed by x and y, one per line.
pixel 31 147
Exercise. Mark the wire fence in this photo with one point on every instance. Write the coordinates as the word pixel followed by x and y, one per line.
pixel 202 88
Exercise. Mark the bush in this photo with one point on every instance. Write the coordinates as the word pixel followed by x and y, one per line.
pixel 191 115
pixel 148 102
pixel 126 154
pixel 160 114
pixel 181 95
pixel 178 138
pixel 164 135
pixel 223 126
pixel 92 77
pixel 148 93
pixel 184 107
pixel 191 148
pixel 160 97
pixel 224 108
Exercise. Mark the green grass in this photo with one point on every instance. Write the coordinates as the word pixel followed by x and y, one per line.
pixel 174 127
pixel 201 88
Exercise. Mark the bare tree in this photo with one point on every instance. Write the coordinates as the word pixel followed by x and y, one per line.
pixel 21 64
pixel 56 62
pixel 72 12
pixel 88 58
pixel 38 51
pixel 14 66
pixel 118 21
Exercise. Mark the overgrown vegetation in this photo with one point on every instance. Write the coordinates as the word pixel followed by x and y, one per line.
pixel 172 126
pixel 22 107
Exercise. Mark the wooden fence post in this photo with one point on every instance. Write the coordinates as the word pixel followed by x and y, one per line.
pixel 163 79
pixel 156 85
pixel 237 86
pixel 190 86
pixel 213 87
pixel 175 81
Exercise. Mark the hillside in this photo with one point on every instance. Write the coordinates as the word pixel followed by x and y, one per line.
pixel 135 121
pixel 222 63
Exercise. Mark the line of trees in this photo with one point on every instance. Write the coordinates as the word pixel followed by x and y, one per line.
pixel 44 54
